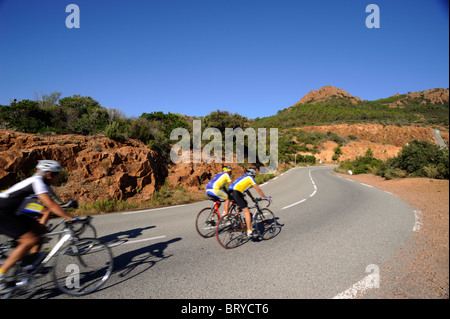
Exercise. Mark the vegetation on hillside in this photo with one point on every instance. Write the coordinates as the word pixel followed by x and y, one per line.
pixel 343 111
pixel 417 159
pixel 50 114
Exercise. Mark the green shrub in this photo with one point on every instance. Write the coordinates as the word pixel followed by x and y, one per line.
pixel 422 159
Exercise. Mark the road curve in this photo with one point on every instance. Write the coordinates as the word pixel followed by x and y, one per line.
pixel 332 229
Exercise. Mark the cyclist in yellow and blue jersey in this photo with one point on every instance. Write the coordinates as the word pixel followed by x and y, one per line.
pixel 217 187
pixel 238 188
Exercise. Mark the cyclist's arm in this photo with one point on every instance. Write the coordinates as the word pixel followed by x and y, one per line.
pixel 258 189
pixel 250 194
pixel 53 206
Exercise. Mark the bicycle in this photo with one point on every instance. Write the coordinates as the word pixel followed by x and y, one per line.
pixel 208 218
pixel 231 230
pixel 81 267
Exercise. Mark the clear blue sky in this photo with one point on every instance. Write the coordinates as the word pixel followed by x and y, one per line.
pixel 252 57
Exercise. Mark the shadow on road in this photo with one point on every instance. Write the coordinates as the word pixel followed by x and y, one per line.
pixel 126 266
pixel 134 262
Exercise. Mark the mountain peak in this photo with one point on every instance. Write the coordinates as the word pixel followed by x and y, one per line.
pixel 325 93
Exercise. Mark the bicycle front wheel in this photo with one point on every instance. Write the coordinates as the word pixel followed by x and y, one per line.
pixel 206 222
pixel 265 224
pixel 83 267
pixel 85 230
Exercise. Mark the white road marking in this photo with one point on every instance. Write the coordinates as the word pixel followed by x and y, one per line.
pixel 311 195
pixel 125 242
pixel 151 210
pixel 369 282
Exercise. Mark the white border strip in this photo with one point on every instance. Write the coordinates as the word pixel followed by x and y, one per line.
pixel 311 195
pixel 151 210
pixel 369 282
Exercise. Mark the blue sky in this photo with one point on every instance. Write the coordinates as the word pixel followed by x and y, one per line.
pixel 252 57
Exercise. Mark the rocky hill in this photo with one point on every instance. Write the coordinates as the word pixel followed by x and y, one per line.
pixel 432 96
pixel 326 93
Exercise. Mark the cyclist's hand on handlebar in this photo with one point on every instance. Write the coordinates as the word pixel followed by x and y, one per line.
pixel 73 220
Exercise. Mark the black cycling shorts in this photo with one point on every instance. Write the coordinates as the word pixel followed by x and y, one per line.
pixel 15 226
pixel 240 200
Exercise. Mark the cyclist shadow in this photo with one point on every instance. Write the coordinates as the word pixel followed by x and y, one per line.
pixel 133 263
pixel 123 237
pixel 126 266
pixel 269 232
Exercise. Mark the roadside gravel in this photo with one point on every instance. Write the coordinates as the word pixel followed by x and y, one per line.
pixel 420 270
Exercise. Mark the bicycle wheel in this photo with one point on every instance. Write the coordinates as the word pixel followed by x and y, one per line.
pixel 231 232
pixel 87 230
pixel 25 285
pixel 83 266
pixel 206 222
pixel 265 224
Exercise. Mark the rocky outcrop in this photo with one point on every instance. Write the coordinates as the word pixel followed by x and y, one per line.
pixel 96 168
pixel 197 174
pixel 432 96
pixel 326 93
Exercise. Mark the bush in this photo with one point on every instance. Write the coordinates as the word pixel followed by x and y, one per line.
pixel 25 116
pixel 422 159
pixel 362 165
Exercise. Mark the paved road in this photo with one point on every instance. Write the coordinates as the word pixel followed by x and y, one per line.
pixel 332 229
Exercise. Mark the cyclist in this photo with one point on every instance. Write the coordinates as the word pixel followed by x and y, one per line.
pixel 241 186
pixel 216 189
pixel 24 229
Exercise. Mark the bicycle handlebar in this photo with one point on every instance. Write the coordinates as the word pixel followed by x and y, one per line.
pixel 85 220
pixel 256 200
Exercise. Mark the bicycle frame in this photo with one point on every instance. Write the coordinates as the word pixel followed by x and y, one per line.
pixel 218 203
pixel 68 235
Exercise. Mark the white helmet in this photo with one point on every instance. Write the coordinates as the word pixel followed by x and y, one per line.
pixel 49 166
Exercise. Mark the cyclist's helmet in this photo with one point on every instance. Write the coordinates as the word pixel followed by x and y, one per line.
pixel 49 166
pixel 250 172
pixel 226 169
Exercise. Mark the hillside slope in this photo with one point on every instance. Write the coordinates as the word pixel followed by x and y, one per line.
pixel 100 168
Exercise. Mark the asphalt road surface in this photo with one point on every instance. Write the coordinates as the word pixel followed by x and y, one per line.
pixel 334 234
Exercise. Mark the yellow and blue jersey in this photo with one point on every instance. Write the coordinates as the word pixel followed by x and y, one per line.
pixel 243 183
pixel 219 181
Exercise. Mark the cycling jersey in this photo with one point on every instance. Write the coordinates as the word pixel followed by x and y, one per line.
pixel 12 198
pixel 243 183
pixel 215 186
pixel 219 181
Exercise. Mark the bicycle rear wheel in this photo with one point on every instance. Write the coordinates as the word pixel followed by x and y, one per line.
pixel 265 224
pixel 206 222
pixel 231 232
pixel 83 267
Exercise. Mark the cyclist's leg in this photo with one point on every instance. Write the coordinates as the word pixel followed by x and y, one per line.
pixel 26 231
pixel 248 219
pixel 243 205
pixel 224 197
pixel 37 228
